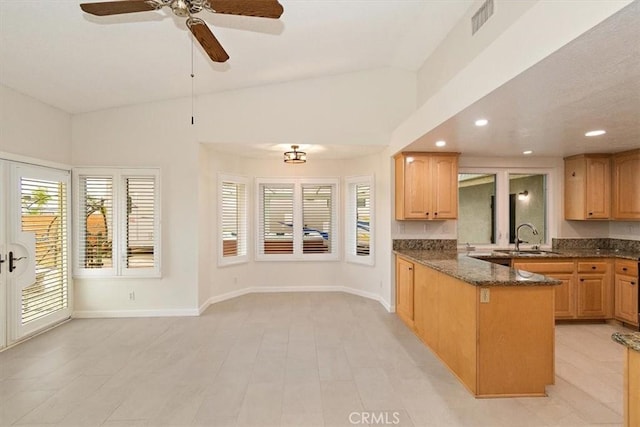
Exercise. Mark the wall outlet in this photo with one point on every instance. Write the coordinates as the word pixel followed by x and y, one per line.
pixel 484 295
pixel 132 296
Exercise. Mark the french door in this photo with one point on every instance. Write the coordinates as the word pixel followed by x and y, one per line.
pixel 34 249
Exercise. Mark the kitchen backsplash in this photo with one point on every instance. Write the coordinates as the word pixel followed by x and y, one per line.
pixel 619 244
pixel 425 244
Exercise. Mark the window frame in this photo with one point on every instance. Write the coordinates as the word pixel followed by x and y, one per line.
pixel 351 230
pixel 502 202
pixel 298 248
pixel 119 223
pixel 237 259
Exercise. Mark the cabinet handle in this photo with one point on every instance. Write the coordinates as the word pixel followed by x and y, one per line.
pixel 590 213
pixel 593 267
pixel 624 268
pixel 427 213
pixel 435 214
pixel 410 268
pixel 633 283
pixel 582 280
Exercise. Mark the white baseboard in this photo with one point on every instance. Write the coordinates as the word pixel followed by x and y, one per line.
pixel 86 314
pixel 272 289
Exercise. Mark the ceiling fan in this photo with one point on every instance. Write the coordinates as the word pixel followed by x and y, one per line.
pixel 188 8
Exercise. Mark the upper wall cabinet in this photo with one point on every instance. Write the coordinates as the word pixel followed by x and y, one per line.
pixel 626 185
pixel 587 186
pixel 426 186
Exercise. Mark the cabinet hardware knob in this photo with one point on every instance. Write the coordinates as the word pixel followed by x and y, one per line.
pixel 582 280
pixel 590 213
pixel 410 268
pixel 436 214
pixel 593 267
pixel 427 213
pixel 573 174
pixel 633 283
pixel 624 268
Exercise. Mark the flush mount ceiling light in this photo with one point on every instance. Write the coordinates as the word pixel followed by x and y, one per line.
pixel 482 122
pixel 441 143
pixel 595 132
pixel 526 153
pixel 295 156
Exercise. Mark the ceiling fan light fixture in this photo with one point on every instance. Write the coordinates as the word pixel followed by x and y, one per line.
pixel 295 156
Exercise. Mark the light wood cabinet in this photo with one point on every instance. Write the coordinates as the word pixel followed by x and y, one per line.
pixel 586 291
pixel 626 185
pixel 481 340
pixel 594 290
pixel 426 186
pixel 626 292
pixel 587 187
pixel 631 395
pixel 404 290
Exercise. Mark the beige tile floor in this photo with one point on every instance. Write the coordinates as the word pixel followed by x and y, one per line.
pixel 304 359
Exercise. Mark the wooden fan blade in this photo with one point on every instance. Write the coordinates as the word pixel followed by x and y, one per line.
pixel 207 40
pixel 261 8
pixel 117 7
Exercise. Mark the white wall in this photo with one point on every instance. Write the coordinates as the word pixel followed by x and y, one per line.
pixel 33 129
pixel 230 280
pixel 149 135
pixel 355 108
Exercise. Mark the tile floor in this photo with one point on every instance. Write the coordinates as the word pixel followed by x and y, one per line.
pixel 303 359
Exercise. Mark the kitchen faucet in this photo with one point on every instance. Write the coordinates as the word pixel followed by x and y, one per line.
pixel 525 224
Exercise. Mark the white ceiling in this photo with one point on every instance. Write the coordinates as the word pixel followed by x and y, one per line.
pixel 52 51
pixel 591 83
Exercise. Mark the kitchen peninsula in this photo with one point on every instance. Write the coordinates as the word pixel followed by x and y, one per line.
pixel 491 325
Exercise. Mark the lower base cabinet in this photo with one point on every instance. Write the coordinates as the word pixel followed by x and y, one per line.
pixel 626 292
pixel 586 292
pixel 631 395
pixel 500 348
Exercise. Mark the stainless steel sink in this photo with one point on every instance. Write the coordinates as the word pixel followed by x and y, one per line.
pixel 525 252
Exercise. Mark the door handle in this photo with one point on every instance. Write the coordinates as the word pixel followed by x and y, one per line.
pixel 1 262
pixel 12 260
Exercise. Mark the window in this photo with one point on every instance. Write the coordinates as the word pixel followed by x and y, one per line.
pixel 493 203
pixel 118 227
pixel 297 219
pixel 232 218
pixel 359 217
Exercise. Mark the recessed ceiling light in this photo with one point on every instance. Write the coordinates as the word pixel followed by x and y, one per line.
pixel 441 143
pixel 482 122
pixel 526 153
pixel 595 132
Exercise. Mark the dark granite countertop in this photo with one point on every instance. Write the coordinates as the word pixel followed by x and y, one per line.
pixel 560 253
pixel 630 340
pixel 474 271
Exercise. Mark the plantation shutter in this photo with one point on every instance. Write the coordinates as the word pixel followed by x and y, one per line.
pixel 44 213
pixel 275 228
pixel 140 228
pixel 363 219
pixel 95 222
pixel 317 218
pixel 234 211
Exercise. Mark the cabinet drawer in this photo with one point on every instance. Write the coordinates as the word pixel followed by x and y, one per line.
pixel 627 268
pixel 593 267
pixel 545 267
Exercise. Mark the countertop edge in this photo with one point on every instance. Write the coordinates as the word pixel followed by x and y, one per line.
pixel 630 340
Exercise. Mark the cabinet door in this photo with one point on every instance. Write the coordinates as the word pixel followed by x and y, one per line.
pixel 417 190
pixel 565 307
pixel 626 299
pixel 444 188
pixel 404 290
pixel 598 188
pixel 426 305
pixel 626 185
pixel 592 296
